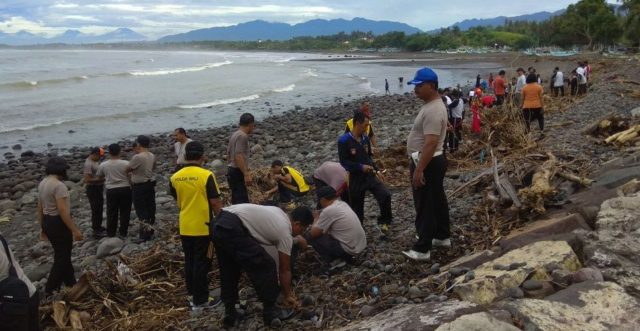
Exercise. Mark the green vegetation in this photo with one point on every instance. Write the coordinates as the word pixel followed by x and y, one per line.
pixel 588 23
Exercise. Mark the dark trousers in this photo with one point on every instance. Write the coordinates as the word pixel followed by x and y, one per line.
pixel 328 248
pixel 344 195
pixel 285 194
pixel 144 201
pixel 453 138
pixel 432 208
pixel 23 322
pixel 359 184
pixel 95 194
pixel 61 240
pixel 238 251
pixel 196 267
pixel 559 90
pixel 239 193
pixel 499 100
pixel 531 114
pixel 118 204
pixel 582 89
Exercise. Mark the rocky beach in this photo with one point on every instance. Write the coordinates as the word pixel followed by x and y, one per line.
pixel 571 265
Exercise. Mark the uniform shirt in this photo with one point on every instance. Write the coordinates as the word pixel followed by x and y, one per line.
pixel 432 119
pixel 114 172
pixel 532 96
pixel 339 221
pixel 142 165
pixel 582 75
pixel 270 226
pixel 353 154
pixel 297 180
pixel 498 86
pixel 4 269
pixel 193 187
pixel 178 147
pixel 49 190
pixel 238 144
pixel 332 173
pixel 91 168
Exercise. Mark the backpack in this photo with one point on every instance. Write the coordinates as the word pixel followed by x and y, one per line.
pixel 14 293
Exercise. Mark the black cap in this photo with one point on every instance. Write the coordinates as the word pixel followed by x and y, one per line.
pixel 326 192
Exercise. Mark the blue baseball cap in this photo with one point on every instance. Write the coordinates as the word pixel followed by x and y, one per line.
pixel 424 75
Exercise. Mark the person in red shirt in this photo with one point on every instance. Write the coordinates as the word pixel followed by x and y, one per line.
pixel 499 88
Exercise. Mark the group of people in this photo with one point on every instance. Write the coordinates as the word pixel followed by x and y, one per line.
pixel 262 241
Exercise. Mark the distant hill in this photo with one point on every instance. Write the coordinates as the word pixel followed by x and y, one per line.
pixel 71 37
pixel 262 30
pixel 498 21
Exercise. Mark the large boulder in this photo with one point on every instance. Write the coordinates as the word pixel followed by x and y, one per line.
pixel 109 246
pixel 477 322
pixel 588 306
pixel 493 279
pixel 425 316
pixel 541 229
pixel 614 248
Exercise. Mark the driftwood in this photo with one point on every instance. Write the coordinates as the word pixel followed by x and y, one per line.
pixel 505 189
pixel 576 179
pixel 472 182
pixel 624 136
pixel 535 195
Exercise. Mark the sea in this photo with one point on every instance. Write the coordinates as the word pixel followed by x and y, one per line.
pixel 56 99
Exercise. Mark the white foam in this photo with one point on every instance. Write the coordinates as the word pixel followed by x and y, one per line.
pixel 285 89
pixel 284 60
pixel 32 127
pixel 179 70
pixel 221 102
pixel 311 73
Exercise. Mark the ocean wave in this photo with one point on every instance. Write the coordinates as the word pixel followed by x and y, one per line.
pixel 221 102
pixel 311 73
pixel 25 84
pixel 284 60
pixel 285 89
pixel 33 126
pixel 179 70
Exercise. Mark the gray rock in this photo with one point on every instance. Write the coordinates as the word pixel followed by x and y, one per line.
pixel 585 274
pixel 109 246
pixel 367 310
pixel 532 285
pixel 256 149
pixel 39 272
pixel 415 292
pixel 163 200
pixel 476 322
pixel 469 276
pixel 7 205
pixel 435 268
pixel 515 292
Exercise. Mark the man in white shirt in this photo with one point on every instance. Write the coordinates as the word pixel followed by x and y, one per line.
pixel 558 82
pixel 520 83
pixel 582 79
pixel 182 139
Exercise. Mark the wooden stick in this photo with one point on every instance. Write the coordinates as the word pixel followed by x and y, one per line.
pixel 580 180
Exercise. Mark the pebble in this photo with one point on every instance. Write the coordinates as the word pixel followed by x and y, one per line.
pixel 585 274
pixel 517 265
pixel 515 292
pixel 469 276
pixel 435 268
pixel 367 310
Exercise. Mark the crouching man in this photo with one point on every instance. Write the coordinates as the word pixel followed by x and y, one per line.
pixel 337 235
pixel 239 234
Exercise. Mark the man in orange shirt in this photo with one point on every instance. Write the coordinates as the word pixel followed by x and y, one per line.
pixel 499 87
pixel 532 103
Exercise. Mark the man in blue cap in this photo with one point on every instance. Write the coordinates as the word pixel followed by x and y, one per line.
pixel 428 166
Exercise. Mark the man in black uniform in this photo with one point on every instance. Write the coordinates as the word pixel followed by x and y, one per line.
pixel 354 150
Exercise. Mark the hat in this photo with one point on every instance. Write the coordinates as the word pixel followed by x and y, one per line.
pixel 424 75
pixel 326 192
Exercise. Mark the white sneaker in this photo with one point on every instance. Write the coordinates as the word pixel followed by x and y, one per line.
pixel 417 256
pixel 441 243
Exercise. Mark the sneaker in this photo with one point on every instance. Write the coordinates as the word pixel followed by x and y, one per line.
pixel 417 256
pixel 212 303
pixel 417 237
pixel 441 243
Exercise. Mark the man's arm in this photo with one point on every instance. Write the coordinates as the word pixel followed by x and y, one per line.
pixel 315 232
pixel 213 195
pixel 285 278
pixel 426 154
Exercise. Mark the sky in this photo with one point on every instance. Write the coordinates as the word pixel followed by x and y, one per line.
pixel 157 18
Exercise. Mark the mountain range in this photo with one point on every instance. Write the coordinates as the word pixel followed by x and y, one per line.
pixel 262 30
pixel 257 30
pixel 71 37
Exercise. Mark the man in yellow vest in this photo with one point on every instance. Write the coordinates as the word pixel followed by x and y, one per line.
pixel 369 128
pixel 198 198
pixel 290 182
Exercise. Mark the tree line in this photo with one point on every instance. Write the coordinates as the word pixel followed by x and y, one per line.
pixel 588 24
